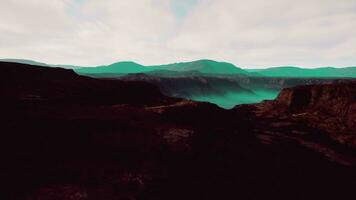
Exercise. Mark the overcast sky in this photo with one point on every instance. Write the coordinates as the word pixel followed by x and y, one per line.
pixel 252 33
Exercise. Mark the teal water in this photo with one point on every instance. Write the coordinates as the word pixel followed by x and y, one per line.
pixel 231 99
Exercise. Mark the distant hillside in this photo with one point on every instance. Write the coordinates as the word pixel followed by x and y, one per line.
pixel 202 66
pixel 209 67
pixel 324 72
pixel 116 68
pixel 169 73
pixel 199 68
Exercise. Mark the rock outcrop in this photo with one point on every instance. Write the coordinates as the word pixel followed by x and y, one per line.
pixel 327 107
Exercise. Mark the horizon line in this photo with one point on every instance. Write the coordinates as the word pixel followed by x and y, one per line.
pixel 203 59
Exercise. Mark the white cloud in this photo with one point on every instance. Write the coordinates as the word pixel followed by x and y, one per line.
pixel 247 33
pixel 274 32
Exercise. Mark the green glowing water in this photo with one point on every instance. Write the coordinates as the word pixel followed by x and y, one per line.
pixel 231 99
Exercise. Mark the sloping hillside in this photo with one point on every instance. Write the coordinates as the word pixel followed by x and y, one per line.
pixel 116 68
pixel 203 66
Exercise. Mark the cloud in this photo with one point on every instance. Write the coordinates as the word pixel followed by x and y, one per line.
pixel 182 8
pixel 250 33
pixel 275 32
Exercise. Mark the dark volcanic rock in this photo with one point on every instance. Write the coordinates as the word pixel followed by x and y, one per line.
pixel 33 83
pixel 334 98
pixel 64 136
pixel 336 101
pixel 326 107
pixel 276 83
pixel 190 86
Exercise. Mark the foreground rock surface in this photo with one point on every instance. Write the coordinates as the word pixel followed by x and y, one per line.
pixel 70 137
pixel 328 108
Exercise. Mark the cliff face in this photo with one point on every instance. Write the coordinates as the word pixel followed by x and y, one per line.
pixel 281 82
pixel 327 107
pixel 336 101
pixel 333 98
pixel 223 90
pixel 189 86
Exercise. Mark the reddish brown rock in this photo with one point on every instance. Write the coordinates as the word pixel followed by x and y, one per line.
pixel 65 136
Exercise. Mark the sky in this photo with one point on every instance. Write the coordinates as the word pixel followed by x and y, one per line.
pixel 249 34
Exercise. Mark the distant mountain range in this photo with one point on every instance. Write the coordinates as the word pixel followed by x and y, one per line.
pixel 200 67
pixel 210 67
pixel 296 72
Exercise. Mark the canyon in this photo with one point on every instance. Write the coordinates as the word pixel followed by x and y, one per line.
pixel 67 136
